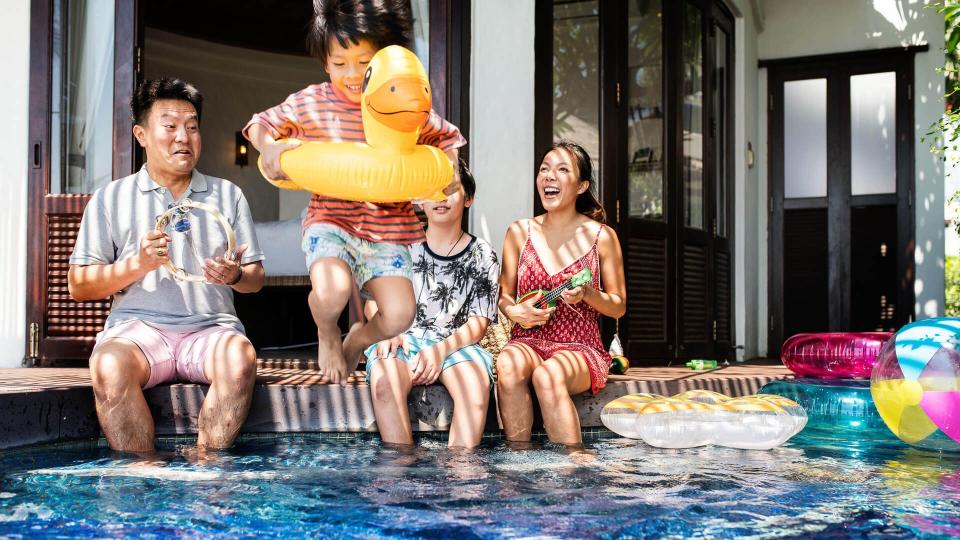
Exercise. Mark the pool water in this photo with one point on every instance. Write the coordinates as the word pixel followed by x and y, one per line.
pixel 353 487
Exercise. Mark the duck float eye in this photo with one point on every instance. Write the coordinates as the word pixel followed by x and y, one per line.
pixel 366 79
pixel 391 167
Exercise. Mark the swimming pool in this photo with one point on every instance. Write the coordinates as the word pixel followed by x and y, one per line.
pixel 317 486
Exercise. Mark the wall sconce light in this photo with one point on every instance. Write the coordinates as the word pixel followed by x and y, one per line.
pixel 751 158
pixel 243 150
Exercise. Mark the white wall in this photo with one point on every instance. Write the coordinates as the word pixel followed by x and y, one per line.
pixel 235 83
pixel 815 27
pixel 15 65
pixel 501 115
pixel 749 258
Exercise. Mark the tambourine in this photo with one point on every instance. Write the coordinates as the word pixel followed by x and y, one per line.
pixel 179 215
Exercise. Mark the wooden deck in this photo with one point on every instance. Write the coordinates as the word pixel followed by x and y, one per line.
pixel 53 404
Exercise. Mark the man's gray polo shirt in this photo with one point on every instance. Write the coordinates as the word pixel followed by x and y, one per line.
pixel 121 213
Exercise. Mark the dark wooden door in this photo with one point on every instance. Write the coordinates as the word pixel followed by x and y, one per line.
pixel 634 83
pixel 678 255
pixel 841 177
pixel 645 217
pixel 694 305
pixel 719 151
pixel 80 136
pixel 703 176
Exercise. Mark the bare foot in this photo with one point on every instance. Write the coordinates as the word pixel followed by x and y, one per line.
pixel 352 350
pixel 330 357
pixel 401 455
pixel 579 454
pixel 143 458
pixel 200 455
pixel 520 446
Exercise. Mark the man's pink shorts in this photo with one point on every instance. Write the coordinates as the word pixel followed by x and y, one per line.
pixel 173 356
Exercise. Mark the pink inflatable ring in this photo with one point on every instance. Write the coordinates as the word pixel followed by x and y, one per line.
pixel 834 355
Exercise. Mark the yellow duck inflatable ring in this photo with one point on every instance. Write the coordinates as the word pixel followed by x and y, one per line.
pixel 390 167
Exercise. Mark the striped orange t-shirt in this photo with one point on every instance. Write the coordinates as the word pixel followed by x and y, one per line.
pixel 320 113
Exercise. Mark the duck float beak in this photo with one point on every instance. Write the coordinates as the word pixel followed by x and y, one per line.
pixel 401 103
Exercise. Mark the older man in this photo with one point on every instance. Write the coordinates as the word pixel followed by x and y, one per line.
pixel 162 329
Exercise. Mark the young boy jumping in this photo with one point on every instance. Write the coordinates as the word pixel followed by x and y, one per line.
pixel 347 241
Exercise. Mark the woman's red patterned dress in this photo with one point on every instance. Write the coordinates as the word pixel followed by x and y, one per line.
pixel 572 327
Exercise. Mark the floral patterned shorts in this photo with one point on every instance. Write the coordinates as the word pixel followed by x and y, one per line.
pixel 367 260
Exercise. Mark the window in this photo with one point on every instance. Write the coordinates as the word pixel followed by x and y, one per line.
pixel 82 104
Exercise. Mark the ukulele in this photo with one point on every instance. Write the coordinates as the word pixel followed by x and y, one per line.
pixel 549 298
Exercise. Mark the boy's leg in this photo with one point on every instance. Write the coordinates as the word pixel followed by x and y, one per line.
pixel 390 386
pixel 555 380
pixel 396 307
pixel 332 283
pixel 515 366
pixel 469 386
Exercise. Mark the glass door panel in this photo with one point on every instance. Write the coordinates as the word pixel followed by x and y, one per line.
pixel 576 75
pixel 82 108
pixel 721 82
pixel 805 138
pixel 644 93
pixel 873 115
pixel 692 166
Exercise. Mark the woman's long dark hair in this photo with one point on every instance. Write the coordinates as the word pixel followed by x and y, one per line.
pixel 587 202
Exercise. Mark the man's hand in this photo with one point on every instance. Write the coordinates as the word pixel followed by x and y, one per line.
pixel 153 250
pixel 427 366
pixel 270 158
pixel 224 271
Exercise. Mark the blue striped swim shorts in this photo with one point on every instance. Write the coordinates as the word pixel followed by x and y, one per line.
pixel 412 345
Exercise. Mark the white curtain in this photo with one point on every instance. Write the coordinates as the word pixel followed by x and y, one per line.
pixel 88 88
pixel 421 31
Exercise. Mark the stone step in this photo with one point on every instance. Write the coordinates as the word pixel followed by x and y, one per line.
pixel 56 404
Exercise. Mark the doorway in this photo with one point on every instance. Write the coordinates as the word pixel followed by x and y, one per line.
pixel 841 177
pixel 645 87
pixel 86 60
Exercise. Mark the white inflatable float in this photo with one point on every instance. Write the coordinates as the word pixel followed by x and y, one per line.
pixel 701 417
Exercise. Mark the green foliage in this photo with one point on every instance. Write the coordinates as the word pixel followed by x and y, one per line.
pixel 951 13
pixel 952 284
pixel 945 132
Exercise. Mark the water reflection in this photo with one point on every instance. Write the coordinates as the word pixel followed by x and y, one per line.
pixel 358 487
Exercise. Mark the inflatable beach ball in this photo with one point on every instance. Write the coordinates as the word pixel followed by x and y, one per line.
pixel 916 384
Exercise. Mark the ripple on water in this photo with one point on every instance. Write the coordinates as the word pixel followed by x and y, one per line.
pixel 356 487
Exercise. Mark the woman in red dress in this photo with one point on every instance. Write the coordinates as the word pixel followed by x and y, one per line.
pixel 557 349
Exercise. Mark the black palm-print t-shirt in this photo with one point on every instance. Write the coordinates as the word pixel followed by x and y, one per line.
pixel 450 290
